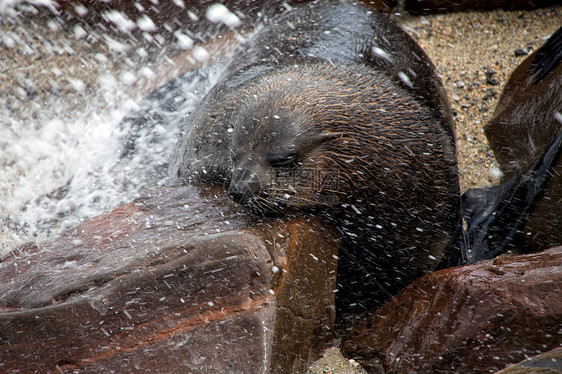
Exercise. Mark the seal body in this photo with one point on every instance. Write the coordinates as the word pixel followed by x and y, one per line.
pixel 332 108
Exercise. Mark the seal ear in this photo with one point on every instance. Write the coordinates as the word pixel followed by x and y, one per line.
pixel 328 135
pixel 317 140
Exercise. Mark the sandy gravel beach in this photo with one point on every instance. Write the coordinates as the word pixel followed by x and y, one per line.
pixel 474 53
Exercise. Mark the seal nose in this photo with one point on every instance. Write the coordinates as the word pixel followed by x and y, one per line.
pixel 244 184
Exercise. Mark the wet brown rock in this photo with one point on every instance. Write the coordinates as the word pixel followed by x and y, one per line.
pixel 521 128
pixel 471 319
pixel 177 280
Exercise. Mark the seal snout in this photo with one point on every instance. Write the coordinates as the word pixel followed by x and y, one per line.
pixel 244 185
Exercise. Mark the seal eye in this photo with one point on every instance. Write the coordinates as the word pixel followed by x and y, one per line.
pixel 282 160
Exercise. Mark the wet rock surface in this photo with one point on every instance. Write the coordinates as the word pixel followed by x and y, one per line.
pixel 177 280
pixel 476 318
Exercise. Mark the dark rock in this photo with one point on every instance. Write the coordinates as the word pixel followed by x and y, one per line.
pixel 178 280
pixel 520 52
pixel 471 319
pixel 546 363
pixel 526 119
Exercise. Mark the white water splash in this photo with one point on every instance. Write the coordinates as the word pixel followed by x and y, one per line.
pixel 8 6
pixel 218 13
pixel 75 152
pixel 67 167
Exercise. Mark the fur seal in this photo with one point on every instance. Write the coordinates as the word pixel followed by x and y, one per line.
pixel 332 108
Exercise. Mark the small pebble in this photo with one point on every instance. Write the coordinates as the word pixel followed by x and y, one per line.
pixel 489 79
pixel 460 84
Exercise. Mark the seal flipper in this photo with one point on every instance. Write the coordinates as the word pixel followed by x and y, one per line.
pixel 495 215
pixel 548 56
